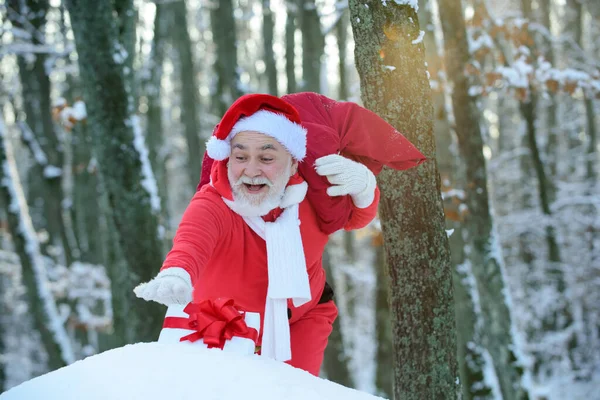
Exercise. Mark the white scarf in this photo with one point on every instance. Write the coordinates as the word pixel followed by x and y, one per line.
pixel 288 276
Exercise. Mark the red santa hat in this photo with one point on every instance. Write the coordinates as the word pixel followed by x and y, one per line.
pixel 261 113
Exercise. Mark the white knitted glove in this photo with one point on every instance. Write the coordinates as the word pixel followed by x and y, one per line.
pixel 170 286
pixel 348 177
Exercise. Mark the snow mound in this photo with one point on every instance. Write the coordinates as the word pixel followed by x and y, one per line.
pixel 179 371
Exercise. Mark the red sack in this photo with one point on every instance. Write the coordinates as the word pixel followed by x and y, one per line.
pixel 347 129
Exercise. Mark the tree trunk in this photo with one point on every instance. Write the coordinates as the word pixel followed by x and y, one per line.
pixel 154 122
pixel 562 317
pixel 30 15
pixel 552 109
pixel 40 302
pixel 572 34
pixel 341 30
pixel 85 199
pixel 189 89
pixel 290 44
pixel 421 294
pixel 384 373
pixel 592 157
pixel 470 361
pixel 124 166
pixel 225 66
pixel 126 22
pixel 336 361
pixel 313 45
pixel 269 56
pixel 486 263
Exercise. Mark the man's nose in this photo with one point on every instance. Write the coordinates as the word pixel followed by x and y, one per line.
pixel 253 169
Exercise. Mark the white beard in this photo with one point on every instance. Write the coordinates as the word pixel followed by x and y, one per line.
pixel 249 205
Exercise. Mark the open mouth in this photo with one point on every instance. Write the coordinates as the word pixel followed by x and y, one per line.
pixel 254 188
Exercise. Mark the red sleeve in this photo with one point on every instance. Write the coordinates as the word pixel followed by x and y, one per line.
pixel 197 236
pixel 361 217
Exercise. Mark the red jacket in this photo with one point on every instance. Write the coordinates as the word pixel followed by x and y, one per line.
pixel 226 258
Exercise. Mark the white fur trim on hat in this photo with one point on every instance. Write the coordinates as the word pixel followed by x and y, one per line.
pixel 218 149
pixel 290 134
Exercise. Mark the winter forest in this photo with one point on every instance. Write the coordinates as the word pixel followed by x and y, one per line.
pixel 480 277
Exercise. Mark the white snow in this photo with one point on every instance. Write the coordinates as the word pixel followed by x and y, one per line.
pixel 34 146
pixel 79 110
pixel 518 74
pixel 120 54
pixel 413 3
pixel 148 180
pixel 420 38
pixel 181 371
pixel 489 375
pixel 483 41
pixel 51 171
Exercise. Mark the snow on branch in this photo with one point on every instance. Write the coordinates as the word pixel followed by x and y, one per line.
pixel 29 48
pixel 33 145
pixel 148 179
pixel 517 65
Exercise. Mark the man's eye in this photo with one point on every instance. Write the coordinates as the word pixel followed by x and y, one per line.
pixel 240 158
pixel 267 159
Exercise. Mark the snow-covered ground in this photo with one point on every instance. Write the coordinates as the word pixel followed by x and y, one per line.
pixel 179 371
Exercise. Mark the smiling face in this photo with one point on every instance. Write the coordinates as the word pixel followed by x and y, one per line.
pixel 259 169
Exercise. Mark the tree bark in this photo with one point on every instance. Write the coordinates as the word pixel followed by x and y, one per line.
pixel 313 45
pixel 123 163
pixel 421 294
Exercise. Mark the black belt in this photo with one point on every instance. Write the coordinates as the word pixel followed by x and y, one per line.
pixel 326 296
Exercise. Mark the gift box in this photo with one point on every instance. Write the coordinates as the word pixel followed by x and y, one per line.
pixel 212 324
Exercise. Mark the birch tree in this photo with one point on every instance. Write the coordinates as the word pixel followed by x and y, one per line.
pixel 390 60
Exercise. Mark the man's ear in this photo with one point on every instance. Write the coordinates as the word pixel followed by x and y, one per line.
pixel 294 166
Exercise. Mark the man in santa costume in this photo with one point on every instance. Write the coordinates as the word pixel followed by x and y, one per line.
pixel 256 229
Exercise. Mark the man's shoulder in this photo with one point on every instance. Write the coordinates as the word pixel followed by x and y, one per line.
pixel 209 198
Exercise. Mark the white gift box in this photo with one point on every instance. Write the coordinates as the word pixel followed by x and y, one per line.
pixel 237 344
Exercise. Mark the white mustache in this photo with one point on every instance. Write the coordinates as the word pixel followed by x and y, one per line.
pixel 254 181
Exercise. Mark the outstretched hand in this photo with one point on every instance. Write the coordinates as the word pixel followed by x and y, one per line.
pixel 348 178
pixel 170 286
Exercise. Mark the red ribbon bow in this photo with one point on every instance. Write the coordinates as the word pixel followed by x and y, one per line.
pixel 215 321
